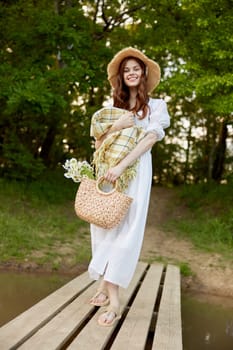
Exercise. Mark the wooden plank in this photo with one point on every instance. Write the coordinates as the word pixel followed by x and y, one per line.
pixel 134 331
pixel 53 321
pixel 94 336
pixel 23 326
pixel 168 332
pixel 61 328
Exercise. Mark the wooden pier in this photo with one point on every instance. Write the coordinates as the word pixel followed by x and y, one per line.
pixel 151 316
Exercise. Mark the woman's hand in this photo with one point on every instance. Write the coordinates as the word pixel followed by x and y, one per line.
pixel 113 173
pixel 125 121
pixel 98 143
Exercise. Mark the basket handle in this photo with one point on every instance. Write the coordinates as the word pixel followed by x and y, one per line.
pixel 98 182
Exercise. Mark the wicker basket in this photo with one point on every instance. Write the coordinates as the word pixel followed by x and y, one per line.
pixel 104 209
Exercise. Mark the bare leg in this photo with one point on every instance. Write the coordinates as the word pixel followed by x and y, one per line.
pixel 113 292
pixel 101 297
pixel 108 317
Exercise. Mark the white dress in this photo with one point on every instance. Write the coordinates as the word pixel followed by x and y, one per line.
pixel 115 252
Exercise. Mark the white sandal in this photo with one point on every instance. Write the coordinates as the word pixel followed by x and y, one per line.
pixel 108 311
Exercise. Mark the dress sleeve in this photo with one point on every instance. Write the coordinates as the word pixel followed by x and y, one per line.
pixel 159 119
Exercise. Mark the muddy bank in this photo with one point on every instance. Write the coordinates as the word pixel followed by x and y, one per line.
pixel 212 281
pixel 33 267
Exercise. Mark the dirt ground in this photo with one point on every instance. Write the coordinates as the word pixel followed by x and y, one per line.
pixel 212 274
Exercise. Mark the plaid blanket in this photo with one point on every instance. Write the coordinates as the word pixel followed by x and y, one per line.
pixel 116 145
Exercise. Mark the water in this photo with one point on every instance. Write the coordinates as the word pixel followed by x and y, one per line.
pixel 18 292
pixel 207 322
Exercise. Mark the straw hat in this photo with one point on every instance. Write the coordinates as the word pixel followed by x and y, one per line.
pixel 153 69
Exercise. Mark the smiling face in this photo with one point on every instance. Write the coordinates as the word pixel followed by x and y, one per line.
pixel 132 73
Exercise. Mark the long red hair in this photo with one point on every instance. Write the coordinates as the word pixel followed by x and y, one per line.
pixel 121 92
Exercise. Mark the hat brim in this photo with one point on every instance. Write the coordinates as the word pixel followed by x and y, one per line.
pixel 153 69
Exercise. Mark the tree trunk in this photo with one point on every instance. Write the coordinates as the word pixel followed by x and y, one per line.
pixel 220 153
pixel 186 167
pixel 47 145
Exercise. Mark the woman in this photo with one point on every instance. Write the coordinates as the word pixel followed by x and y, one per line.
pixel 116 252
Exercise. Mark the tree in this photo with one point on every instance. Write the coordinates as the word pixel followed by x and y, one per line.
pixel 196 59
pixel 58 57
pixel 53 77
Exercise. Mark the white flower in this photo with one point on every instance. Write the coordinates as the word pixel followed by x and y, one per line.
pixel 77 170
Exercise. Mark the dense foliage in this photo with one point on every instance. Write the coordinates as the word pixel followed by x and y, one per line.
pixel 53 58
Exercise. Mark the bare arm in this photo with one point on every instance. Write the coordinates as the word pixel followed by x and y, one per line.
pixel 144 145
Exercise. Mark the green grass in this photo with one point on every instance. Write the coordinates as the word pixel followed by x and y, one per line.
pixel 38 223
pixel 207 218
pixel 185 269
pixel 184 266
